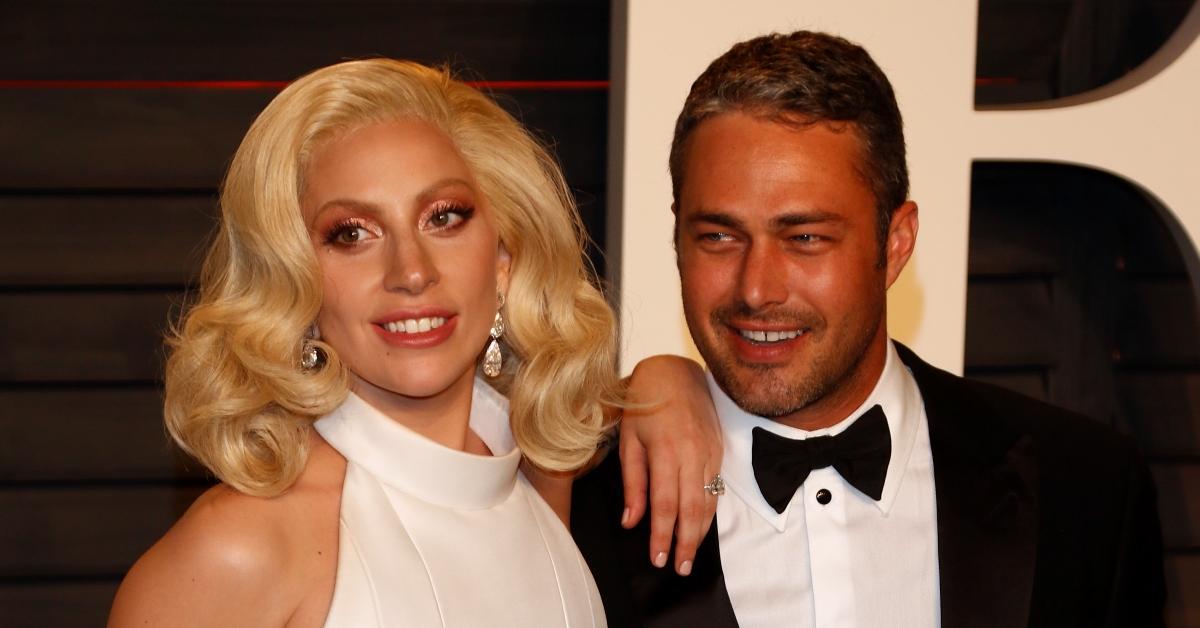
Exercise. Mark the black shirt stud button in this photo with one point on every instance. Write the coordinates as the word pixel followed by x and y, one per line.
pixel 824 496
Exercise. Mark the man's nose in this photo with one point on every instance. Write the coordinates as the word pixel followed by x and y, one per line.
pixel 763 282
pixel 410 268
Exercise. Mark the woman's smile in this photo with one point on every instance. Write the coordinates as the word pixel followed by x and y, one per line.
pixel 417 330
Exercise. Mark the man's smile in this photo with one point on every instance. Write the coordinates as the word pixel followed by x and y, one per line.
pixel 767 337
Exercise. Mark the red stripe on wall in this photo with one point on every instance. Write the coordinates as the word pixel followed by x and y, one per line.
pixel 996 80
pixel 278 85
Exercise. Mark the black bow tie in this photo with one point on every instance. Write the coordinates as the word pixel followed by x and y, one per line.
pixel 860 454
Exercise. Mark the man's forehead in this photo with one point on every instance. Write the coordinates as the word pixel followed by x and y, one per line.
pixel 740 160
pixel 794 122
pixel 735 136
pixel 749 129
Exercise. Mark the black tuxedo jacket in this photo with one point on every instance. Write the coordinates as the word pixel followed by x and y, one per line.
pixel 1045 518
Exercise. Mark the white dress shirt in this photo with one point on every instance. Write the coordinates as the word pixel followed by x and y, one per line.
pixel 852 562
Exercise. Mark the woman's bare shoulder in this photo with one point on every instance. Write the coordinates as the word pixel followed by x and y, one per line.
pixel 236 559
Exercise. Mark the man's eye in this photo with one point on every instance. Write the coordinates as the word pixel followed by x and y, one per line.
pixel 716 236
pixel 807 238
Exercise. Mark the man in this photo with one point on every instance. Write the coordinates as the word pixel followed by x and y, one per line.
pixel 865 487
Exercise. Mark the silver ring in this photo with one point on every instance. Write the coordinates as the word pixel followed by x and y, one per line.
pixel 716 487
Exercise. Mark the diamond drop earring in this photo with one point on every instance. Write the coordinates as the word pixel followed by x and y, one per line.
pixel 493 360
pixel 311 357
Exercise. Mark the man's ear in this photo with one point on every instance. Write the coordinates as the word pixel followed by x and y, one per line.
pixel 901 239
pixel 675 227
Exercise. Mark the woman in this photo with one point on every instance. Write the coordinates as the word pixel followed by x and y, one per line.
pixel 381 224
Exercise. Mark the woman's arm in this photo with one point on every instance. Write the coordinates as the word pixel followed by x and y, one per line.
pixel 671 439
pixel 237 560
pixel 220 565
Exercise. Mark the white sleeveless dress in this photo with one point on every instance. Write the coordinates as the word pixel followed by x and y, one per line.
pixel 432 536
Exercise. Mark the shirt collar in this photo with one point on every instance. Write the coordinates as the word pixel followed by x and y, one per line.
pixel 895 392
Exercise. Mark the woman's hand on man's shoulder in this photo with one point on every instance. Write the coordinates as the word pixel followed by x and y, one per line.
pixel 670 447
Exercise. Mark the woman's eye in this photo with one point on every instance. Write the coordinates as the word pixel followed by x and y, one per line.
pixel 449 217
pixel 348 235
pixel 445 219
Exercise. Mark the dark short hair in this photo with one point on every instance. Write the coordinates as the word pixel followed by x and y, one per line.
pixel 804 78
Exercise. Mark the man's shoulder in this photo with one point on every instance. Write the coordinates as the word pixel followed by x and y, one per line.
pixel 955 398
pixel 1098 538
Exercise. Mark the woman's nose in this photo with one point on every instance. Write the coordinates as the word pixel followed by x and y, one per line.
pixel 410 267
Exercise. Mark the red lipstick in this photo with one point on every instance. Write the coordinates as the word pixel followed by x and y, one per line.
pixel 430 327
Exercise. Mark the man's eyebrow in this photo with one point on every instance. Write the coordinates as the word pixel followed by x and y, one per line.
pixel 716 218
pixel 790 219
pixel 794 219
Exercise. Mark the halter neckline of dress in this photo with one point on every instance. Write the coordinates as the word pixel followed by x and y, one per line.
pixel 433 536
pixel 422 468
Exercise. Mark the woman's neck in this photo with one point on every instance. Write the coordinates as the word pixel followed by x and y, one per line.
pixel 442 418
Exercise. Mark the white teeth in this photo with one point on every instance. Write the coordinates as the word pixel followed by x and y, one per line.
pixel 414 325
pixel 770 336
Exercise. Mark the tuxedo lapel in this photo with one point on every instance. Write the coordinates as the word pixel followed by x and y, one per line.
pixel 635 593
pixel 701 599
pixel 984 478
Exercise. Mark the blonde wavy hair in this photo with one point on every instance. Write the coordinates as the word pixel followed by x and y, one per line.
pixel 236 397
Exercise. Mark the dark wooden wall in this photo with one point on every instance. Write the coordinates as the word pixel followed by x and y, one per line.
pixel 116 125
pixel 1078 294
pixel 1037 50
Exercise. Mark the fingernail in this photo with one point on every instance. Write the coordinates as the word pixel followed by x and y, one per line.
pixel 685 568
pixel 660 560
pixel 625 518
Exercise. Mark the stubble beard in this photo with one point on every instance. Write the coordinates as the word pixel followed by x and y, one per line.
pixel 775 391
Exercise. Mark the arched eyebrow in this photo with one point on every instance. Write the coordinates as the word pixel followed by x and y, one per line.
pixel 425 195
pixel 349 203
pixel 440 185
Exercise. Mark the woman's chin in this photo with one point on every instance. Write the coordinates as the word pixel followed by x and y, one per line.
pixel 425 386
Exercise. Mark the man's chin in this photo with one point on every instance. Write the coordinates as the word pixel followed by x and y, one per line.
pixel 760 390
